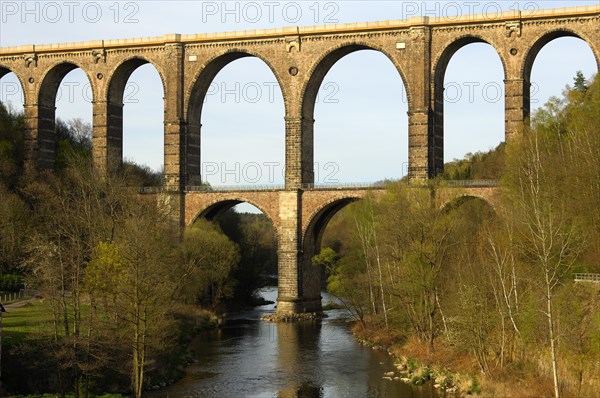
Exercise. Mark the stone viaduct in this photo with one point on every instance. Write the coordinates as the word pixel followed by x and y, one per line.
pixel 299 57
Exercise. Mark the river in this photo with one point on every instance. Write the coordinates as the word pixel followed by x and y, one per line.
pixel 248 357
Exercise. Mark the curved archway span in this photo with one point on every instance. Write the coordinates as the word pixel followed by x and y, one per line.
pixel 313 233
pixel 546 38
pixel 312 236
pixel 220 206
pixel 120 75
pixel 458 201
pixel 207 73
pixel 4 70
pixel 440 64
pixel 46 118
pixel 115 93
pixel 216 209
pixel 195 99
pixel 51 81
pixel 529 60
pixel 440 145
pixel 395 132
pixel 321 67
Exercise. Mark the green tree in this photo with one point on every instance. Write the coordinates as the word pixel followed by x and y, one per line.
pixel 11 145
pixel 134 277
pixel 580 84
pixel 550 239
pixel 14 229
pixel 209 258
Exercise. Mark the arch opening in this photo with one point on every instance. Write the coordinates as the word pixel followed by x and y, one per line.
pixel 11 91
pixel 457 203
pixel 11 127
pixel 314 278
pixel 64 115
pixel 355 130
pixel 235 123
pixel 135 119
pixel 546 74
pixel 469 104
pixel 256 239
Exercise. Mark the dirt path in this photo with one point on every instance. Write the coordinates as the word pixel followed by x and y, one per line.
pixel 19 303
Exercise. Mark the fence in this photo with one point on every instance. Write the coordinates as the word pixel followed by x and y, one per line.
pixel 8 298
pixel 587 278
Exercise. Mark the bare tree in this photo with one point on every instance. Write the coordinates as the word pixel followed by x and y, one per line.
pixel 550 240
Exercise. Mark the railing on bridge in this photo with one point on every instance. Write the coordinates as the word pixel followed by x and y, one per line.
pixel 229 188
pixel 318 186
pixel 587 278
pixel 472 183
pixel 344 185
pixel 150 190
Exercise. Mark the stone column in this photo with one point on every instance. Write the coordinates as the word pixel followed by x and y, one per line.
pixel 40 146
pixel 174 146
pixel 418 145
pixel 311 274
pixel 290 290
pixel 299 175
pixel 107 139
pixel 299 280
pixel 175 160
pixel 299 149
pixel 30 113
pixel 425 155
pixel 192 153
pixel 517 106
pixel 436 125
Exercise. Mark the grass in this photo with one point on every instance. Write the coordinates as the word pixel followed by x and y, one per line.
pixel 19 324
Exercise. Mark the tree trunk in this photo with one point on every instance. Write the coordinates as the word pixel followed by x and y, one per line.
pixel 552 342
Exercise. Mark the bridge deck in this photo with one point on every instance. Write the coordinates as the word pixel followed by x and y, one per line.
pixel 510 15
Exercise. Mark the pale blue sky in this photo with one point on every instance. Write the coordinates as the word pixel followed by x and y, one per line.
pixel 361 131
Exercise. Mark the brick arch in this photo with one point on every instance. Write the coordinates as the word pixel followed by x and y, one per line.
pixel 114 91
pixel 458 201
pixel 196 92
pixel 310 277
pixel 440 63
pixel 211 204
pixel 330 57
pixel 120 74
pixel 312 232
pixel 4 70
pixel 540 41
pixel 194 99
pixel 51 79
pixel 46 116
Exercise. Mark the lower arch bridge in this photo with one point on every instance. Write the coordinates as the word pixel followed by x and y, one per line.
pixel 300 217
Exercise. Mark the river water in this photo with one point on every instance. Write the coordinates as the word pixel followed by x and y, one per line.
pixel 248 357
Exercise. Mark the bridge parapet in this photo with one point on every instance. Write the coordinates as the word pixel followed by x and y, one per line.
pixel 322 187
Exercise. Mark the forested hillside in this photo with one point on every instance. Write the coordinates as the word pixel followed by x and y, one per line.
pixel 120 292
pixel 489 290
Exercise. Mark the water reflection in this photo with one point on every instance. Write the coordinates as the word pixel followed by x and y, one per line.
pixel 251 358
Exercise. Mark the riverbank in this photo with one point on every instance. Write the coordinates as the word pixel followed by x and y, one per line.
pixel 27 361
pixel 449 370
